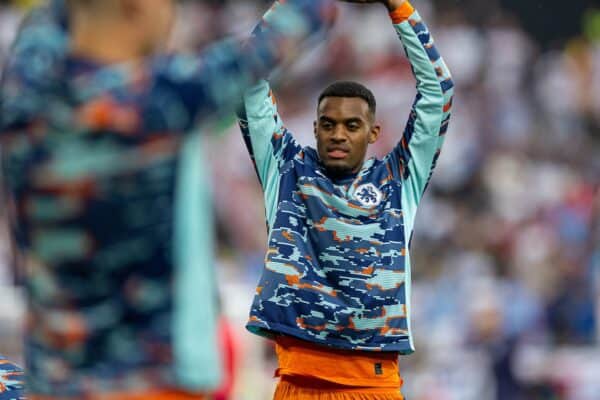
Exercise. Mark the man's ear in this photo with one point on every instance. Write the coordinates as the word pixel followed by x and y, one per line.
pixel 315 128
pixel 374 133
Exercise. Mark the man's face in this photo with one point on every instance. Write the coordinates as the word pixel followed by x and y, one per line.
pixel 344 129
pixel 156 18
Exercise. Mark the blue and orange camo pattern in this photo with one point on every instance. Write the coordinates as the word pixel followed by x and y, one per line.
pixel 337 271
pixel 90 156
pixel 11 381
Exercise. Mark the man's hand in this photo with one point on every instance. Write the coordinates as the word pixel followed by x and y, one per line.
pixel 390 4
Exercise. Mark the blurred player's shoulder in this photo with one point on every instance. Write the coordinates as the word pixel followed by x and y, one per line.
pixel 11 381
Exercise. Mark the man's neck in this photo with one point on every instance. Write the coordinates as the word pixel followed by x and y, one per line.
pixel 340 176
pixel 105 41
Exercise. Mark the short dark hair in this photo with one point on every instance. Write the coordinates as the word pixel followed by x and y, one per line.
pixel 350 89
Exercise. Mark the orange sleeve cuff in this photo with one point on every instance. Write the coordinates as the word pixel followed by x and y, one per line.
pixel 402 13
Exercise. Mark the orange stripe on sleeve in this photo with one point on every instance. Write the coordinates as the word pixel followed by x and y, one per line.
pixel 402 13
pixel 448 106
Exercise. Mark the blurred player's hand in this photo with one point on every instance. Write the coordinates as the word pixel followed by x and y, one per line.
pixel 390 4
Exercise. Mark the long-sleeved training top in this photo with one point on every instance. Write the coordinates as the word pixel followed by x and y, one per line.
pixel 11 381
pixel 337 270
pixel 111 204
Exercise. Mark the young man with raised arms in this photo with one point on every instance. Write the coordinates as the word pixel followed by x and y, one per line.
pixel 335 290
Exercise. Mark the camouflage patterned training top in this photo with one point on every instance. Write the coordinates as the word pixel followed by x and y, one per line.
pixel 11 381
pixel 337 270
pixel 111 206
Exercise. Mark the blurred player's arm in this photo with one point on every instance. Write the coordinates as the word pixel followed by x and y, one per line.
pixel 218 79
pixel 195 86
pixel 415 156
pixel 40 42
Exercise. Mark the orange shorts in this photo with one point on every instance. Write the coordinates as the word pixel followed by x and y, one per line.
pixel 153 395
pixel 309 371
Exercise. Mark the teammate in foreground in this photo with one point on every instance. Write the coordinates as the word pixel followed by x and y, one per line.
pixel 11 381
pixel 112 210
pixel 335 291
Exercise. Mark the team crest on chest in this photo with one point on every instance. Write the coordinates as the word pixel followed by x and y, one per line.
pixel 368 195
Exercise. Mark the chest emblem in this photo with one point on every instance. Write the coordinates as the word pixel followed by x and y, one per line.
pixel 368 195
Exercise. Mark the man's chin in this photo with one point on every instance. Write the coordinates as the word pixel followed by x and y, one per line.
pixel 335 168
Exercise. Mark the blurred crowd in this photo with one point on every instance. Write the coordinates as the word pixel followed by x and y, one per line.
pixel 506 251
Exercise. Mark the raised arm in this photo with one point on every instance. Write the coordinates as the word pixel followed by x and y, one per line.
pixel 412 161
pixel 269 143
pixel 194 86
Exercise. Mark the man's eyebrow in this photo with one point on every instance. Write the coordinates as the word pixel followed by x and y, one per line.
pixel 325 118
pixel 353 119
